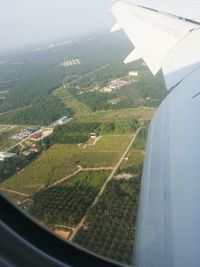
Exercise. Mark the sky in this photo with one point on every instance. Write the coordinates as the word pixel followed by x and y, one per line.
pixel 25 22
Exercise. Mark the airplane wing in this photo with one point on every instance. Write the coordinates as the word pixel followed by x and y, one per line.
pixel 166 35
pixel 187 9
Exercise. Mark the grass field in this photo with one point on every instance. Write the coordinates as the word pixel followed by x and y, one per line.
pixel 62 160
pixel 5 137
pixel 106 152
pixel 71 102
pixel 4 128
pixel 135 157
pixel 141 114
pixel 66 204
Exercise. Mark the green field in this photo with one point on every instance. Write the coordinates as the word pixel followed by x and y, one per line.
pixel 70 101
pixel 62 160
pixel 67 203
pixel 110 226
pixel 140 142
pixel 141 114
pixel 4 128
pixel 30 97
pixel 135 157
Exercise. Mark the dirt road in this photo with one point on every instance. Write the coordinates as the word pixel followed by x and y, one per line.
pixel 14 192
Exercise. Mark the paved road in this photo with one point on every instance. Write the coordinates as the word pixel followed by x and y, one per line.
pixel 105 184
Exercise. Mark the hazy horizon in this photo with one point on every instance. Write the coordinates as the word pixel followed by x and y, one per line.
pixel 30 22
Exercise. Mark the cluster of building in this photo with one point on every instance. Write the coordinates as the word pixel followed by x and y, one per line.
pixel 32 149
pixel 113 85
pixel 41 134
pixel 33 133
pixel 25 133
pixel 36 136
pixel 28 136
pixel 71 62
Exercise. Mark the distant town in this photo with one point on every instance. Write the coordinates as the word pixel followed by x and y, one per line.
pixel 71 62
pixel 28 137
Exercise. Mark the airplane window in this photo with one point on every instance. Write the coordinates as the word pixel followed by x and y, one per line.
pixel 73 122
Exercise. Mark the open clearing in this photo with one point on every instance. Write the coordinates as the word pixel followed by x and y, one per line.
pixel 5 137
pixel 62 160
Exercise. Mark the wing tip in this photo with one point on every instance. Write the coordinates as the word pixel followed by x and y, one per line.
pixel 116 27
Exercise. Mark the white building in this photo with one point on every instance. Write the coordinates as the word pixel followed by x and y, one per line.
pixel 133 73
pixel 6 155
pixel 62 120
pixel 107 89
pixel 93 135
